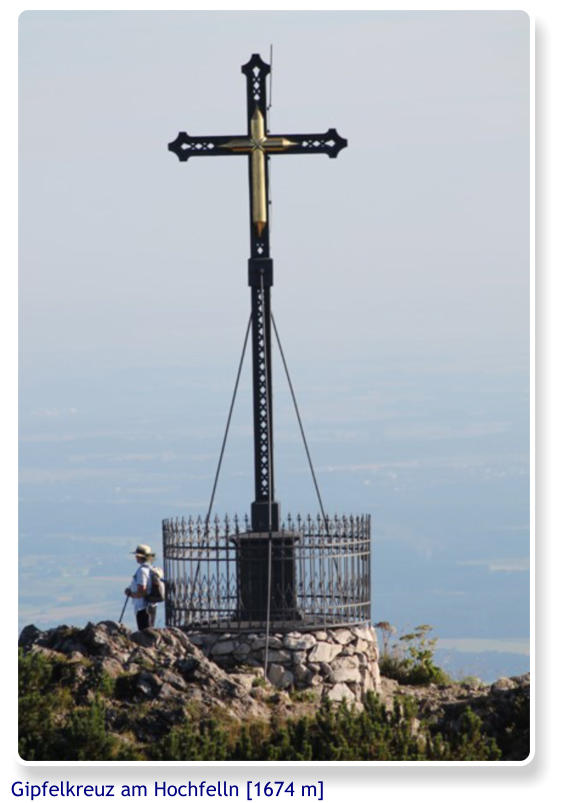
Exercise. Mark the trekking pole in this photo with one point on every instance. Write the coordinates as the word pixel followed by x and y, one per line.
pixel 123 611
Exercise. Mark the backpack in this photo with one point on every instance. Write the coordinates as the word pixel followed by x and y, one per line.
pixel 157 593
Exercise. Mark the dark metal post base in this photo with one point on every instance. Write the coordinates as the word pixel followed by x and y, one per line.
pixel 253 577
pixel 265 517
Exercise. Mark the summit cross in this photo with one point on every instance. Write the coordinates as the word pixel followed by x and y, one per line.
pixel 258 146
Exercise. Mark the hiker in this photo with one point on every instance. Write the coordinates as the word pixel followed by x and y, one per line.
pixel 140 587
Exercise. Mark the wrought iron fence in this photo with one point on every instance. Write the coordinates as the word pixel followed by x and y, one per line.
pixel 218 577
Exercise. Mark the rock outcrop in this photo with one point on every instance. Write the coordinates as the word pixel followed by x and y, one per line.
pixel 157 679
pixel 503 707
pixel 161 668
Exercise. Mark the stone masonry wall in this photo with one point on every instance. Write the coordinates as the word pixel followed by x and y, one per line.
pixel 339 663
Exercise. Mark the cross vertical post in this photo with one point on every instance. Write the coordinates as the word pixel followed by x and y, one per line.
pixel 265 513
pixel 258 145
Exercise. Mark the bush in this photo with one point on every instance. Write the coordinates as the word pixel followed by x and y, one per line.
pixel 468 743
pixel 411 659
pixel 51 727
pixel 333 734
pixel 196 741
pixel 36 707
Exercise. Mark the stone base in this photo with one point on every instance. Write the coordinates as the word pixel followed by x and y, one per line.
pixel 340 663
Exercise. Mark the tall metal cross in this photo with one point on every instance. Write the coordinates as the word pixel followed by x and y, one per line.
pixel 258 146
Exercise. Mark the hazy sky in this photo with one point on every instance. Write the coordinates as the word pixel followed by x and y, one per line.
pixel 401 279
pixel 417 232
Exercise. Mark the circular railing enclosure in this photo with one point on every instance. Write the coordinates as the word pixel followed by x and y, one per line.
pixel 217 575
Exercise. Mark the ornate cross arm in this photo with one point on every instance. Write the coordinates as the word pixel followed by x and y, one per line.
pixel 186 146
pixel 330 143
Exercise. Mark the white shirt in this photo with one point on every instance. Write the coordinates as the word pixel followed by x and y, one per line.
pixel 142 577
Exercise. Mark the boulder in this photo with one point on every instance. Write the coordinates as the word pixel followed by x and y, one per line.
pixel 112 667
pixel 173 679
pixel 95 638
pixel 299 641
pixel 29 635
pixel 522 681
pixel 167 692
pixel 340 692
pixel 276 656
pixel 280 677
pixel 245 679
pixel 302 674
pixel 346 670
pixel 147 685
pixel 261 641
pixel 146 638
pixel 187 666
pixel 369 683
pixel 503 684
pixel 222 648
pixel 365 633
pixel 324 651
pixel 342 636
pixel 202 640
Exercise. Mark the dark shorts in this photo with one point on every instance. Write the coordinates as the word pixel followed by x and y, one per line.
pixel 146 617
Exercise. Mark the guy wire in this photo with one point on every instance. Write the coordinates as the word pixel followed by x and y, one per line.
pixel 207 520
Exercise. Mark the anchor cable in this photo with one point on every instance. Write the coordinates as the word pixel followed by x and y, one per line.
pixel 207 519
pixel 325 518
pixel 228 422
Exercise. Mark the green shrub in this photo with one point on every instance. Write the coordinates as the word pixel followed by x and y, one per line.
pixel 467 743
pixel 195 741
pixel 335 733
pixel 51 727
pixel 84 735
pixel 37 705
pixel 411 659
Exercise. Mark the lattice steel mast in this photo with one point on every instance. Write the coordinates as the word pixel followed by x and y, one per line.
pixel 258 145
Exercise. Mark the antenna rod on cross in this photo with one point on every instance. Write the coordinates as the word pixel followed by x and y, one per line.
pixel 259 146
